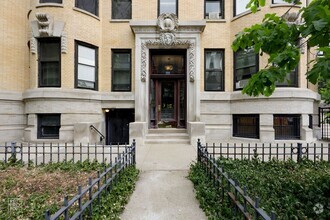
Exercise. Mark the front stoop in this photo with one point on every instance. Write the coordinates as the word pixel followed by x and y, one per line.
pixel 167 135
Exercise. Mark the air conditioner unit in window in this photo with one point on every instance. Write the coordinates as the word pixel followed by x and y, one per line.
pixel 214 15
pixel 240 84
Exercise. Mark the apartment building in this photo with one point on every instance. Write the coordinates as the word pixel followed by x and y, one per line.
pixel 80 70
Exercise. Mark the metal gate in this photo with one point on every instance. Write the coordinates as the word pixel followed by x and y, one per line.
pixel 324 122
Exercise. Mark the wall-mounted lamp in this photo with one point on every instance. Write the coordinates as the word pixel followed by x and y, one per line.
pixel 107 110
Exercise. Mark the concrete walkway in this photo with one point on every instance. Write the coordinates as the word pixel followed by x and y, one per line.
pixel 163 191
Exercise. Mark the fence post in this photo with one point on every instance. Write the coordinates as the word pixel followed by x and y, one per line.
pixel 273 216
pixel 47 215
pixel 329 152
pixel 198 150
pixel 299 152
pixel 65 204
pixel 90 195
pixel 133 152
pixel 13 152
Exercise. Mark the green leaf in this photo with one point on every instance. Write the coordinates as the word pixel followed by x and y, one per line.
pixel 320 24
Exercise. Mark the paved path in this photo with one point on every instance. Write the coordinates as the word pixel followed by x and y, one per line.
pixel 163 191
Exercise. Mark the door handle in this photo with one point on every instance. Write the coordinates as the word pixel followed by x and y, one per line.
pixel 159 107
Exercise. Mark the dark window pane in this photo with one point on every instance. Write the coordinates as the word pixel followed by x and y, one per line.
pixel 49 74
pixel 291 79
pixel 88 5
pixel 121 9
pixel 50 51
pixel 287 127
pixel 121 70
pixel 213 70
pixel 167 6
pixel 246 64
pixel 246 126
pixel 49 125
pixel 51 1
pixel 49 62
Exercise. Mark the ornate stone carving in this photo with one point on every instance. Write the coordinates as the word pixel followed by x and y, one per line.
pixel 33 45
pixel 64 43
pixel 167 39
pixel 191 56
pixel 45 24
pixel 292 17
pixel 167 22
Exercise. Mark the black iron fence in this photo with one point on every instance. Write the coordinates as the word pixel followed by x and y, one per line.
pixel 265 152
pixel 48 153
pixel 118 158
pixel 324 122
pixel 229 188
pixel 85 199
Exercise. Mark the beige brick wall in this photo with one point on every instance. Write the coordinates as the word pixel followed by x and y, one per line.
pixel 109 34
pixel 13 45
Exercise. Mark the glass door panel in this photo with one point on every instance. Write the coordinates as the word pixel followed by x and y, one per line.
pixel 167 109
pixel 182 104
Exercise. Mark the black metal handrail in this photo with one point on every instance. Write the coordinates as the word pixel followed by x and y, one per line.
pixel 102 137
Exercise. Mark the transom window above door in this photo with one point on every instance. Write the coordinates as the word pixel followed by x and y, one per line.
pixel 167 64
pixel 167 6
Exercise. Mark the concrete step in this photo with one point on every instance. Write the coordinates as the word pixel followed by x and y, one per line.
pixel 167 136
pixel 167 131
pixel 167 141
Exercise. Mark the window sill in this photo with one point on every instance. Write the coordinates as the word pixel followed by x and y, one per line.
pixel 119 20
pixel 284 5
pixel 56 5
pixel 86 13
pixel 243 14
pixel 215 20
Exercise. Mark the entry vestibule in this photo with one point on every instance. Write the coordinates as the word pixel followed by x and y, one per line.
pixel 167 88
pixel 183 42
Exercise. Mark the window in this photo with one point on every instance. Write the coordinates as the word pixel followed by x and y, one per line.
pixel 91 6
pixel 279 2
pixel 310 121
pixel 246 126
pixel 86 66
pixel 49 126
pixel 167 6
pixel 291 79
pixel 49 62
pixel 246 63
pixel 214 70
pixel 121 70
pixel 240 6
pixel 51 1
pixel 213 9
pixel 287 127
pixel 121 9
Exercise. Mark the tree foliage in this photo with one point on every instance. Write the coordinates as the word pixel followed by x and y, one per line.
pixel 282 41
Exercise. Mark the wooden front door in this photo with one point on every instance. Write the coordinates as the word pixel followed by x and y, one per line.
pixel 167 90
